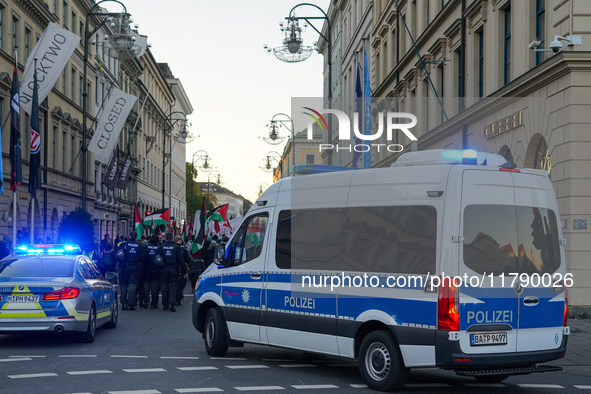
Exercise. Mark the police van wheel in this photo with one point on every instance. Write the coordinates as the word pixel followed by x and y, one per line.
pixel 215 334
pixel 491 379
pixel 88 336
pixel 114 314
pixel 381 363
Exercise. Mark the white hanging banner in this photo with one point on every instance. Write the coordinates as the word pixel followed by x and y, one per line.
pixel 53 50
pixel 110 124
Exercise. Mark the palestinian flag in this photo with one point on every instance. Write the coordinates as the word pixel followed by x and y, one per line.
pixel 199 230
pixel 153 228
pixel 219 214
pixel 138 224
pixel 185 233
pixel 159 217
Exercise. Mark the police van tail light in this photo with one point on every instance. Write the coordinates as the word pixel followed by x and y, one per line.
pixel 66 293
pixel 448 311
pixel 565 304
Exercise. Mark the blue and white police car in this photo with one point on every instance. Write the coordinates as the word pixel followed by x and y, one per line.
pixel 55 288
pixel 345 263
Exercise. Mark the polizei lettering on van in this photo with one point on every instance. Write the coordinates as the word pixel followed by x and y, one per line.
pixel 490 316
pixel 297 302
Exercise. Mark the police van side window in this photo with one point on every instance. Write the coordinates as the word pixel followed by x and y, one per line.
pixel 396 239
pixel 510 239
pixel 249 240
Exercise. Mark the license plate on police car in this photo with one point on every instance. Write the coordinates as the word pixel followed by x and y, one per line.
pixel 22 298
pixel 497 338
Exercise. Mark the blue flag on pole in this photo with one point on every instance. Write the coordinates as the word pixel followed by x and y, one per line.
pixel 367 102
pixel 35 166
pixel 357 157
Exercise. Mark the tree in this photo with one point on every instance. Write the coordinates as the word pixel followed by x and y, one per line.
pixel 197 194
pixel 76 227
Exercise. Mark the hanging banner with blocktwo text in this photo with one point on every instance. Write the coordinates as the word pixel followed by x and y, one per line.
pixel 53 50
pixel 110 123
pixel 112 174
pixel 125 172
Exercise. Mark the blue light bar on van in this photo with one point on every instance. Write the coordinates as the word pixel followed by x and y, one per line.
pixel 48 249
pixel 466 156
pixel 306 169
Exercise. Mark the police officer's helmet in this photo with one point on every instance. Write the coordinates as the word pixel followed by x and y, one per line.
pixel 120 254
pixel 159 261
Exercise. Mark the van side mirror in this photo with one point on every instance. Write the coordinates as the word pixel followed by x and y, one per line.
pixel 220 255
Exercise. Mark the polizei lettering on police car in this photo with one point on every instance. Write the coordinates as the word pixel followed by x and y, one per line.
pixel 110 125
pixel 297 302
pixel 490 316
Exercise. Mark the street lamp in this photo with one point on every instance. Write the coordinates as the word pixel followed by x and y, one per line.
pixel 167 127
pixel 122 43
pixel 293 42
pixel 208 181
pixel 261 188
pixel 282 122
pixel 205 156
pixel 268 166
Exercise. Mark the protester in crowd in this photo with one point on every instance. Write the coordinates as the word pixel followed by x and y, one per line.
pixel 182 280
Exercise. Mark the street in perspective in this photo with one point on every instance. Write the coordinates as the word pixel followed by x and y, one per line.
pixel 280 196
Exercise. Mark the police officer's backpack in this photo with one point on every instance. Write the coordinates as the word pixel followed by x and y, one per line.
pixel 159 261
pixel 120 255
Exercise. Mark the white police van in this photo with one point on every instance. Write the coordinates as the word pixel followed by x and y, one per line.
pixel 390 235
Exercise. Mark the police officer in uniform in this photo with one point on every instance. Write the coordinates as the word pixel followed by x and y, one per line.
pixel 174 263
pixel 182 281
pixel 151 274
pixel 134 255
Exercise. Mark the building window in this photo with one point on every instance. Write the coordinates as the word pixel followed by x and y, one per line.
pixel 88 91
pixel 427 12
pixel 27 42
pixel 73 22
pixel 73 92
pixel 74 165
pixel 64 149
pixel 481 64
pixel 460 78
pixel 1 26
pixel 64 81
pixel 14 36
pixel 310 159
pixel 540 29
pixel 55 7
pixel 81 92
pixel 441 87
pixel 507 47
pixel 96 84
pixel 65 14
pixel 54 151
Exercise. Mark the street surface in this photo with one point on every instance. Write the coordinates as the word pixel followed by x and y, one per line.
pixel 153 351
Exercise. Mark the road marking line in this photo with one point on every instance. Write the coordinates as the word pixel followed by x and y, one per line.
pixel 246 366
pixel 314 386
pixel 485 385
pixel 89 372
pixel 26 356
pixel 5 360
pixel 199 390
pixel 129 356
pixel 145 370
pixel 418 385
pixel 196 368
pixel 540 386
pixel 296 365
pixel 135 392
pixel 582 387
pixel 279 360
pixel 182 358
pixel 32 375
pixel 359 386
pixel 78 355
pixel 259 388
pixel 228 358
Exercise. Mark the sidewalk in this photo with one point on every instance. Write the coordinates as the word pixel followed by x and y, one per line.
pixel 577 360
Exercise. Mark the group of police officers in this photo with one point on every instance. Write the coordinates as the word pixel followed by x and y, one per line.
pixel 167 272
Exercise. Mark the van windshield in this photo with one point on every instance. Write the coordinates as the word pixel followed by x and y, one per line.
pixel 510 239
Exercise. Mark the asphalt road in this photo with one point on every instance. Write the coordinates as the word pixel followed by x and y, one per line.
pixel 153 351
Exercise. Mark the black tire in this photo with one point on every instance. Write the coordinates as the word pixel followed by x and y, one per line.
pixel 215 333
pixel 381 363
pixel 491 379
pixel 88 336
pixel 114 314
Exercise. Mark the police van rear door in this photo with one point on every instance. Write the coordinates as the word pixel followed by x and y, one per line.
pixel 541 264
pixel 488 310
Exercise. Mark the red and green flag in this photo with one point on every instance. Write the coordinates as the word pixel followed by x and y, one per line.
pixel 199 229
pixel 159 217
pixel 138 223
pixel 218 214
pixel 153 228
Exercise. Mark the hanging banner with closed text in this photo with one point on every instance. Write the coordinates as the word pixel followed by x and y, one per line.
pixel 53 50
pixel 110 124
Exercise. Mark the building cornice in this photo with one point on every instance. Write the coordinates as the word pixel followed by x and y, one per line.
pixel 37 11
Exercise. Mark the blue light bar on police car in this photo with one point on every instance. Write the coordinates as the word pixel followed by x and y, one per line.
pixel 48 249
pixel 306 169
